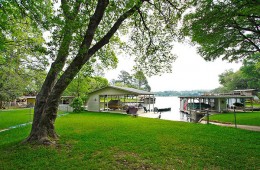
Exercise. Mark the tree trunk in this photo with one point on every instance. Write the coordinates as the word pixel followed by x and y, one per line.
pixel 43 130
pixel 46 107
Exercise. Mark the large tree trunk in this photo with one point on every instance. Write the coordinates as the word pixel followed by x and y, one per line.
pixel 47 100
pixel 46 107
pixel 43 130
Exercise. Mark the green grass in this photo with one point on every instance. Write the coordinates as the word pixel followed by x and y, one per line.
pixel 255 104
pixel 114 141
pixel 243 118
pixel 15 117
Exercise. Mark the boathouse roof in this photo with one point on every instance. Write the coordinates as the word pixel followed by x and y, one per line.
pixel 217 96
pixel 127 90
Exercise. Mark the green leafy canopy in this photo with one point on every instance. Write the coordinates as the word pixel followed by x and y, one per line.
pixel 227 29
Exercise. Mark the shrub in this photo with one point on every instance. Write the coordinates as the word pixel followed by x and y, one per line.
pixel 77 104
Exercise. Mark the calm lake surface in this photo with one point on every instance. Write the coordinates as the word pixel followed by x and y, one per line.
pixel 174 103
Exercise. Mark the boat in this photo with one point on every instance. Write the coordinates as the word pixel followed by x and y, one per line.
pixel 162 109
pixel 149 100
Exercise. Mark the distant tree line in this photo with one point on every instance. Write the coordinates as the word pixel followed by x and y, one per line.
pixel 181 93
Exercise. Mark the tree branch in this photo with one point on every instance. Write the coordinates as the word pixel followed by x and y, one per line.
pixel 145 26
pixel 79 60
pixel 249 40
pixel 236 26
pixel 112 31
pixel 172 5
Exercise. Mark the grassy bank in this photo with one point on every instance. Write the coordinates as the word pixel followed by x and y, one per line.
pixel 243 118
pixel 114 141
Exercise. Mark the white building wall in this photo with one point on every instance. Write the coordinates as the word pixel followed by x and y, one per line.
pixel 93 103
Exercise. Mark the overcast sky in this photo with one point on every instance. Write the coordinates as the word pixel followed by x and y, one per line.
pixel 189 72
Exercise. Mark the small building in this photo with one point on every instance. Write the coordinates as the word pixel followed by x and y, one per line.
pixel 24 101
pixel 31 100
pixel 99 99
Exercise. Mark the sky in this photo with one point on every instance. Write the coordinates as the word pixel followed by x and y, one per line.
pixel 189 71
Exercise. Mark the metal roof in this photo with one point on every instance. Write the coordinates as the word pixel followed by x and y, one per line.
pixel 217 96
pixel 245 90
pixel 127 90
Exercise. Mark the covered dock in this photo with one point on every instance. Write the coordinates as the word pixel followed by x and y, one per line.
pixel 215 103
pixel 114 98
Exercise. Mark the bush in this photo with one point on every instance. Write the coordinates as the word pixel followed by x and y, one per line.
pixel 77 104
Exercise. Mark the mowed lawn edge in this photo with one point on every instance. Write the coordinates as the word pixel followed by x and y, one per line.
pixel 242 118
pixel 114 141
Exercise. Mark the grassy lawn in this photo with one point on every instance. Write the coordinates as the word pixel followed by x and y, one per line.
pixel 243 118
pixel 114 141
pixel 15 117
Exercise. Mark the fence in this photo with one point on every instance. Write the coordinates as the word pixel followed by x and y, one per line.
pixel 65 107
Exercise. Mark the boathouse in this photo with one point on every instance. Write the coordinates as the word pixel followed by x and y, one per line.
pixel 118 99
pixel 214 102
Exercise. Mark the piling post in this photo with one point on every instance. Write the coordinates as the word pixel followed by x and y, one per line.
pixel 207 116
pixel 235 117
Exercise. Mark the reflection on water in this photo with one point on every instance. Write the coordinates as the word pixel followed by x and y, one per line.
pixel 174 104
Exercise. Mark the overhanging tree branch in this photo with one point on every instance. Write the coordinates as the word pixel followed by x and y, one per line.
pixel 112 31
pixel 146 27
pixel 236 26
pixel 249 40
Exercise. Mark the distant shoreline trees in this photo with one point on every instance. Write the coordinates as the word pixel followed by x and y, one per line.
pixel 136 80
pixel 181 93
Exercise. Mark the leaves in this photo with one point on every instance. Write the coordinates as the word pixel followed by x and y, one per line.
pixel 87 33
pixel 247 77
pixel 136 80
pixel 82 85
pixel 226 29
pixel 21 51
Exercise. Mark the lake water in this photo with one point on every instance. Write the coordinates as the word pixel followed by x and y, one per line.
pixel 166 102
